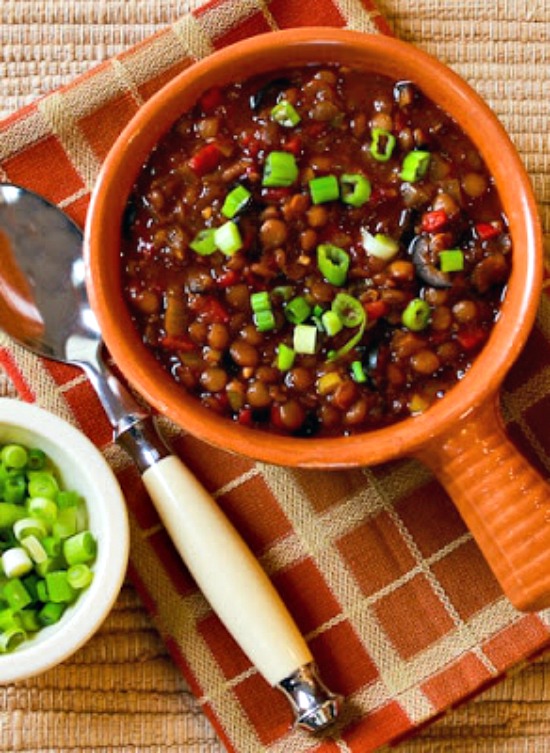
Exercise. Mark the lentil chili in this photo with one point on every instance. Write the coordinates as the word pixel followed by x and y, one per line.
pixel 318 251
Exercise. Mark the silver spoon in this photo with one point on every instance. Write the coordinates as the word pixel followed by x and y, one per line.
pixel 44 307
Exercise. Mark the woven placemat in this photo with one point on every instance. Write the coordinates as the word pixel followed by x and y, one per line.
pixel 129 696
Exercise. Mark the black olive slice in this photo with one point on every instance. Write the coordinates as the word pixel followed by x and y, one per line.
pixel 428 272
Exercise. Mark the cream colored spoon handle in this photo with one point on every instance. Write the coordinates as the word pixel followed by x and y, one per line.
pixel 225 570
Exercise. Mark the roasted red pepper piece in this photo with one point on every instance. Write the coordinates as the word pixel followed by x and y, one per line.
pixel 434 221
pixel 230 277
pixel 206 159
pixel 375 310
pixel 211 99
pixel 209 309
pixel 485 230
pixel 471 338
pixel 178 342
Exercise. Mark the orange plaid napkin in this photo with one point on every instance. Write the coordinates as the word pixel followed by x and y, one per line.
pixel 393 596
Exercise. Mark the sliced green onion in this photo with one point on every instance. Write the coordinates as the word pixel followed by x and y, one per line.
pixel 349 310
pixel 29 620
pixel 264 320
pixel 415 165
pixel 10 513
pixel 79 576
pixel 297 310
pixel 16 562
pixel 59 589
pixel 235 200
pixel 382 145
pixel 352 314
pixel 285 357
pixel 35 549
pixel 15 593
pixel 323 189
pixel 355 189
pixel 451 260
pixel 379 245
pixel 15 489
pixel 11 638
pixel 42 484
pixel 333 263
pixel 29 527
pixel 417 315
pixel 44 508
pixel 285 114
pixel 37 459
pixel 332 324
pixel 358 372
pixel 14 456
pixel 81 547
pixel 204 242
pixel 51 613
pixel 67 498
pixel 260 301
pixel 228 238
pixel 305 338
pixel 280 170
pixel 66 523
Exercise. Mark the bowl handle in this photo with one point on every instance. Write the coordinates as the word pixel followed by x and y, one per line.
pixel 504 502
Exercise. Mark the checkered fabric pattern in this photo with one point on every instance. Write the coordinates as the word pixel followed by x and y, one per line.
pixel 399 609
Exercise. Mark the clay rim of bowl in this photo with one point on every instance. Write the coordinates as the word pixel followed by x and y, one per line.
pixel 273 51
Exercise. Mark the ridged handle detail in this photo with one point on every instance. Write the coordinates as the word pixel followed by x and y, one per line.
pixel 503 500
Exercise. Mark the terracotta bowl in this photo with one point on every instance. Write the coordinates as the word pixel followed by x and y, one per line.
pixel 461 438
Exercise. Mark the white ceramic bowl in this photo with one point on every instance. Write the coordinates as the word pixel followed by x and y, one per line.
pixel 81 467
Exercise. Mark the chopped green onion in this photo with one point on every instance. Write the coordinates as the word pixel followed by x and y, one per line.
pixel 11 638
pixel 379 245
pixel 51 613
pixel 417 315
pixel 352 314
pixel 260 301
pixel 355 189
pixel 297 310
pixel 285 357
pixel 29 620
pixel 37 459
pixel 285 114
pixel 67 498
pixel 264 320
pixel 331 322
pixel 79 576
pixel 10 513
pixel 235 200
pixel 35 549
pixel 66 523
pixel 333 263
pixel 382 145
pixel 29 527
pixel 323 189
pixel 280 170
pixel 16 562
pixel 15 489
pixel 14 456
pixel 81 547
pixel 349 310
pixel 204 242
pixel 228 238
pixel 358 372
pixel 15 593
pixel 44 508
pixel 451 260
pixel 52 545
pixel 42 484
pixel 59 589
pixel 415 165
pixel 305 338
